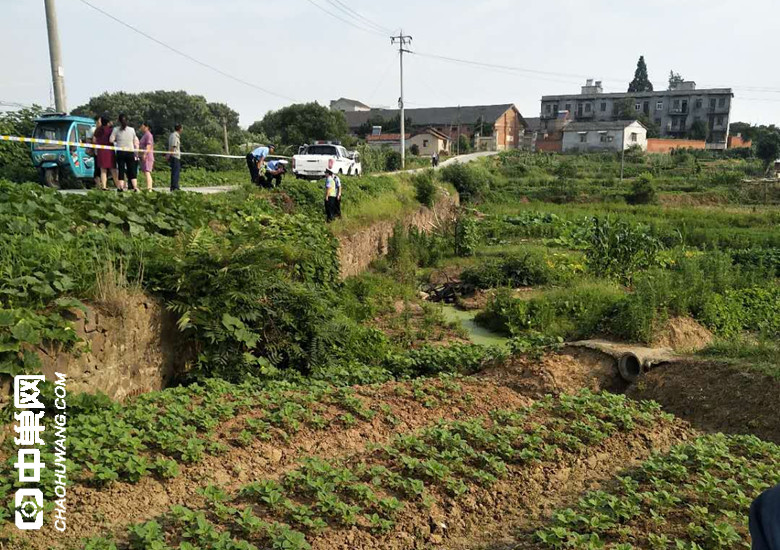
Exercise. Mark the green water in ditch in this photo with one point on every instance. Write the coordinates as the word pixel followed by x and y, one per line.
pixel 477 334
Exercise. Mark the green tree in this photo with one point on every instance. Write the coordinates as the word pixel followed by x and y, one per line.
pixel 15 163
pixel 302 123
pixel 162 110
pixel 464 144
pixel 675 79
pixel 768 148
pixel 698 130
pixel 641 82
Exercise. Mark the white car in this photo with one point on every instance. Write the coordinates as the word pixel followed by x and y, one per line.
pixel 312 161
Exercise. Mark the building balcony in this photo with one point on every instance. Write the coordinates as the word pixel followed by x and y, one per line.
pixel 678 111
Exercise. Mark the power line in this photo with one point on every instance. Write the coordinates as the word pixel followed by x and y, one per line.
pixel 338 4
pixel 342 19
pixel 187 56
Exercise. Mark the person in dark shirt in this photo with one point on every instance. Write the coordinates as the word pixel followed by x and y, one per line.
pixel 765 520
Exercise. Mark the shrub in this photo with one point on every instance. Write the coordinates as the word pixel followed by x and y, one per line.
pixel 472 181
pixel 425 187
pixel 466 235
pixel 526 268
pixel 578 312
pixel 415 150
pixel 642 190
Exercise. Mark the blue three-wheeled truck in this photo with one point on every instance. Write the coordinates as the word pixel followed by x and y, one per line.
pixel 55 162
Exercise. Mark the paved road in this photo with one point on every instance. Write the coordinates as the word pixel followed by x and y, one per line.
pixel 461 159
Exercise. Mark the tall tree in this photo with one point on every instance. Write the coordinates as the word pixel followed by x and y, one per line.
pixel 675 79
pixel 641 82
pixel 768 148
pixel 302 123
pixel 162 110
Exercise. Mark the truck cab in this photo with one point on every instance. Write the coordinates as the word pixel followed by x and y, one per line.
pixel 55 160
pixel 312 160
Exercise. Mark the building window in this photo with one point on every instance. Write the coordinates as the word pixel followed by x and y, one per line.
pixel 637 106
pixel 659 106
pixel 587 107
pixel 568 107
pixel 698 103
pixel 607 138
pixel 722 102
pixel 603 106
pixel 658 122
pixel 425 143
pixel 712 103
pixel 583 137
pixel 719 121
pixel 633 137
pixel 676 104
pixel 547 108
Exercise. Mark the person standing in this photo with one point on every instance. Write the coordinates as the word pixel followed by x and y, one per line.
pixel 174 156
pixel 255 161
pixel 433 159
pixel 765 520
pixel 105 161
pixel 330 196
pixel 124 139
pixel 146 152
pixel 337 181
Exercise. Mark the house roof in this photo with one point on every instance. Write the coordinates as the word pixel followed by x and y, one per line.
pixel 435 133
pixel 534 124
pixel 431 116
pixel 354 102
pixel 601 125
pixel 621 95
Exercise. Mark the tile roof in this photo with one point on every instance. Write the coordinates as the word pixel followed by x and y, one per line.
pixel 435 115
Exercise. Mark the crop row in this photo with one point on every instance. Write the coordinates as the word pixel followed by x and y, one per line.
pixel 371 491
pixel 695 497
pixel 158 432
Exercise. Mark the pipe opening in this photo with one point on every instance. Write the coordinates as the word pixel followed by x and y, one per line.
pixel 630 367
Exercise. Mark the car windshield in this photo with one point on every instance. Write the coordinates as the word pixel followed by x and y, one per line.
pixel 51 130
pixel 321 150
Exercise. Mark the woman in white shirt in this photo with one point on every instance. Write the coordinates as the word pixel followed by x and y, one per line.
pixel 126 142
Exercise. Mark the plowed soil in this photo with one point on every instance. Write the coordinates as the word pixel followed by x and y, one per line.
pixel 715 397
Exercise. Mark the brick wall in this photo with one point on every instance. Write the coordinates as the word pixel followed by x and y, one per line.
pixel 738 142
pixel 655 145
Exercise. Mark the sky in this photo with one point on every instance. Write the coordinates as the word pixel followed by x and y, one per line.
pixel 301 53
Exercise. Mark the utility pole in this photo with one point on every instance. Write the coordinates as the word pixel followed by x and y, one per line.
pixel 622 155
pixel 402 40
pixel 55 55
pixel 225 134
pixel 458 129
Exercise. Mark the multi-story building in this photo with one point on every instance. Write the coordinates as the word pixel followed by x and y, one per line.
pixel 674 111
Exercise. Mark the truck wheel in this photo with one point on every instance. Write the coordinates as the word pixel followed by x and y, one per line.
pixel 50 177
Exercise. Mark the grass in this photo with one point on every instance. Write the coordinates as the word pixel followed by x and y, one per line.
pixel 759 354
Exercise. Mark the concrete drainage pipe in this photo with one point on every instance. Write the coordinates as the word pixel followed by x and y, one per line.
pixel 629 366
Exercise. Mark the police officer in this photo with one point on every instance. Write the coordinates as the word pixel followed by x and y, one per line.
pixel 255 161
pixel 331 196
pixel 274 170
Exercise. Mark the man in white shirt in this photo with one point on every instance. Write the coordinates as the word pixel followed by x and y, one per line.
pixel 174 156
